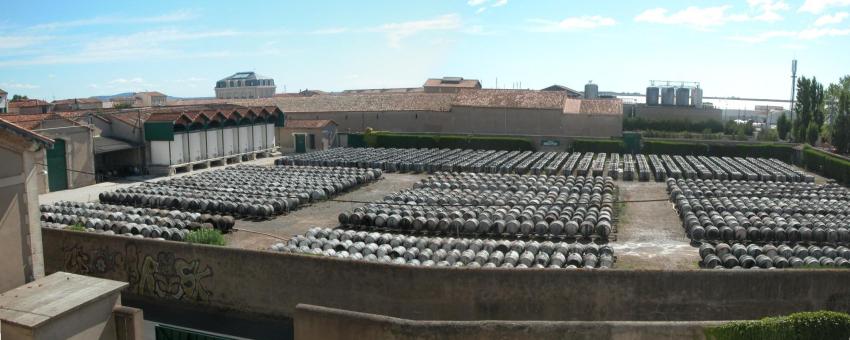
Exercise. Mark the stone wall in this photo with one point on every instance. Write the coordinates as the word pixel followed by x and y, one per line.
pixel 274 283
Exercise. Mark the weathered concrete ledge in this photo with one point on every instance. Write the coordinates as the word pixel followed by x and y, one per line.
pixel 273 284
pixel 315 322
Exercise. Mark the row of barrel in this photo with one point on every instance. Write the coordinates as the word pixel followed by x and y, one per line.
pixel 627 167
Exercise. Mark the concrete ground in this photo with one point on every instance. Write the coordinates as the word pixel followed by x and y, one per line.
pixel 649 234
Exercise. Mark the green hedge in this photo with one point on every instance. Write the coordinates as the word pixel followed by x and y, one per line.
pixel 783 152
pixel 827 165
pixel 673 125
pixel 598 145
pixel 398 140
pixel 822 325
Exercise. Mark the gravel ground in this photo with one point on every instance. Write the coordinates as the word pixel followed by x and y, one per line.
pixel 322 214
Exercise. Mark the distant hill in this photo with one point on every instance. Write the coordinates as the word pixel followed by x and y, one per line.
pixel 108 98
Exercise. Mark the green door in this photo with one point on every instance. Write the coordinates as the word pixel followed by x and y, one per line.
pixel 57 171
pixel 300 145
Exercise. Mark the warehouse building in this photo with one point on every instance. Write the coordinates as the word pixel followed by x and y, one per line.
pixel 450 105
pixel 245 85
pixel 21 258
pixel 184 138
pixel 69 163
pixel 307 135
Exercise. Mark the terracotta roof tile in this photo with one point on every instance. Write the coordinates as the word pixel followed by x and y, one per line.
pixel 27 103
pixel 24 132
pixel 594 106
pixel 519 99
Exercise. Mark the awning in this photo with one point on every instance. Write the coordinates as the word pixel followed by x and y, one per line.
pixel 106 144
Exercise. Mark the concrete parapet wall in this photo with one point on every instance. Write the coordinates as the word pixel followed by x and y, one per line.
pixel 273 284
pixel 314 322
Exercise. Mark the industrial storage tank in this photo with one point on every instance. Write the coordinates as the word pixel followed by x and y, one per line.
pixel 668 95
pixel 652 95
pixel 683 96
pixel 696 97
pixel 591 91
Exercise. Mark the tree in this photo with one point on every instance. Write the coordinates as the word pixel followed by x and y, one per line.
pixel 833 95
pixel 18 97
pixel 783 126
pixel 812 133
pixel 841 123
pixel 809 109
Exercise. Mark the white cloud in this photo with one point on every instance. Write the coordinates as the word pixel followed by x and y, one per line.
pixel 396 32
pixel 707 17
pixel 806 34
pixel 14 85
pixel 330 30
pixel 476 2
pixel 818 6
pixel 768 10
pixel 571 24
pixel 828 19
pixel 136 80
pixel 177 16
pixel 500 3
pixel 814 33
pixel 692 16
pixel 11 42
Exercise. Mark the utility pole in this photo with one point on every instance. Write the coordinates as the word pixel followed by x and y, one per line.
pixel 793 82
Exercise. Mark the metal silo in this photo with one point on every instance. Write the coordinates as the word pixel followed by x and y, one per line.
pixel 668 95
pixel 696 97
pixel 683 95
pixel 591 91
pixel 652 95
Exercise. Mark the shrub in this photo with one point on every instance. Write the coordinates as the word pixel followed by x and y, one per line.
pixel 402 140
pixel 206 236
pixel 824 325
pixel 598 145
pixel 76 227
pixel 673 125
pixel 827 164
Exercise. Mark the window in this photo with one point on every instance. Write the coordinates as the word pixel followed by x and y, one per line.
pixel 312 141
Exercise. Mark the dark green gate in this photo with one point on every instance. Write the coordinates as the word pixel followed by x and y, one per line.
pixel 57 168
pixel 300 143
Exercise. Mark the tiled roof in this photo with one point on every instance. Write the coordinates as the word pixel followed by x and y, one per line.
pixel 24 132
pixel 34 121
pixel 202 113
pixel 308 123
pixel 28 103
pixel 357 102
pixel 418 101
pixel 594 106
pixel 518 99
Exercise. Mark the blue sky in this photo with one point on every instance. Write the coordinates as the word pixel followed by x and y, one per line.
pixel 66 49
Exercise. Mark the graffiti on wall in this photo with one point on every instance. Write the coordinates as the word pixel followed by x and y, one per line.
pixel 167 276
pixel 162 275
